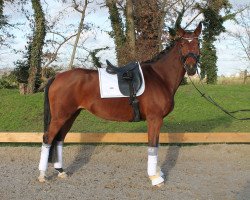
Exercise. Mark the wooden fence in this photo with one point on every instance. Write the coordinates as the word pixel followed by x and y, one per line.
pixel 28 137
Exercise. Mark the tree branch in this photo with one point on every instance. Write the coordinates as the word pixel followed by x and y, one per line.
pixel 57 49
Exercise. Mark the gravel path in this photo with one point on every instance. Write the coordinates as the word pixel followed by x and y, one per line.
pixel 119 172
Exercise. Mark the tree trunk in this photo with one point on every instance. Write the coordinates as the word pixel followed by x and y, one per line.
pixel 161 22
pixel 142 37
pixel 22 88
pixel 130 31
pixel 1 14
pixel 118 31
pixel 80 28
pixel 36 48
pixel 245 77
pixel 213 27
pixel 147 25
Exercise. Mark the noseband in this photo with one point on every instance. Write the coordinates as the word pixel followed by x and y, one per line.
pixel 189 55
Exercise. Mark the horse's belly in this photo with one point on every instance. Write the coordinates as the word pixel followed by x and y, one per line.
pixel 117 109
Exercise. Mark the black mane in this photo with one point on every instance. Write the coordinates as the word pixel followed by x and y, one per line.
pixel 162 53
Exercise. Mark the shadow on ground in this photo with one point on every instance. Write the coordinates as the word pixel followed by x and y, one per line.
pixel 174 149
pixel 244 193
pixel 86 151
pixel 82 158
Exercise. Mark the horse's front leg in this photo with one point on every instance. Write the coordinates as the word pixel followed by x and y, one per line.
pixel 154 172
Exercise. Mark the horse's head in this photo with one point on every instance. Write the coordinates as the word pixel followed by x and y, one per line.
pixel 189 48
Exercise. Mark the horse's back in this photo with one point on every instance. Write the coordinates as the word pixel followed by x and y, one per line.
pixel 75 74
pixel 71 86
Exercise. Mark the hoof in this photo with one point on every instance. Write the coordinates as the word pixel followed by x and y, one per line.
pixel 62 175
pixel 42 179
pixel 160 185
pixel 158 179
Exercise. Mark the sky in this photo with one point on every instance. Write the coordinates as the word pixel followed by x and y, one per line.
pixel 230 55
pixel 229 62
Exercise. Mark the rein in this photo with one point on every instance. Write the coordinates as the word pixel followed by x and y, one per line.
pixel 212 101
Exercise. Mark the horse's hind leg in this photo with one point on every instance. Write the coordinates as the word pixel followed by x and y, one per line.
pixel 56 124
pixel 58 165
pixel 54 128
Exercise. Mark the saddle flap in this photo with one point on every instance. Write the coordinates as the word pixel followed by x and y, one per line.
pixel 109 87
pixel 135 78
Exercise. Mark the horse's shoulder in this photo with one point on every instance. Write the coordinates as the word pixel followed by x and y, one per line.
pixel 150 75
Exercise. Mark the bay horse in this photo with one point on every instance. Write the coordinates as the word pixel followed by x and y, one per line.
pixel 71 91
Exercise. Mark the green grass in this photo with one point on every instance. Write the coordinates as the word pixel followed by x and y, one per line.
pixel 191 114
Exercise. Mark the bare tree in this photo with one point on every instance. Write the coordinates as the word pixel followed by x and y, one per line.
pixel 80 28
pixel 60 41
pixel 242 36
pixel 242 33
pixel 131 38
pixel 53 56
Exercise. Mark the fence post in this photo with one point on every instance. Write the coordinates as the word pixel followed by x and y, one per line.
pixel 245 77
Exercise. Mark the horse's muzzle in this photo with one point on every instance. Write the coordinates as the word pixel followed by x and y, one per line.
pixel 191 69
pixel 190 63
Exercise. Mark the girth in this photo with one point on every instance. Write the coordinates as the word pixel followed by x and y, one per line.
pixel 129 81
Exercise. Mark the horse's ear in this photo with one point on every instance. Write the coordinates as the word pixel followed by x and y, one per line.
pixel 180 32
pixel 197 31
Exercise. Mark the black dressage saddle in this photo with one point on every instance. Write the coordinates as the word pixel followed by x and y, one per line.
pixel 126 73
pixel 129 81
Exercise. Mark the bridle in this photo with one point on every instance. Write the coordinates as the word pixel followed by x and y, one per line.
pixel 204 93
pixel 189 55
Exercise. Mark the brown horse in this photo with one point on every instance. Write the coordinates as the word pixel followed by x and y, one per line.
pixel 77 89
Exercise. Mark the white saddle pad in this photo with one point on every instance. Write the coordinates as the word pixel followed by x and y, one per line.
pixel 109 84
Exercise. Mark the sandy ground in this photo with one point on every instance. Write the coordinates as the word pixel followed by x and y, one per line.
pixel 119 172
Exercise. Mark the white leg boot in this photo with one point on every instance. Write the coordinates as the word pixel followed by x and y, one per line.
pixel 43 165
pixel 59 164
pixel 154 172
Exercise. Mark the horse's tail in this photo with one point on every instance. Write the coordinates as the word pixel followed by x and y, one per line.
pixel 47 114
pixel 47 119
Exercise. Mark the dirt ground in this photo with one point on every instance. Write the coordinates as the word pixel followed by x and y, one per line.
pixel 119 172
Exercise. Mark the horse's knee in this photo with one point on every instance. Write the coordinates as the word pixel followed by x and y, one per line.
pixel 45 138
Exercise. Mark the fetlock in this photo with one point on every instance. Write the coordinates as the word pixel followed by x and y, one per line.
pixel 42 177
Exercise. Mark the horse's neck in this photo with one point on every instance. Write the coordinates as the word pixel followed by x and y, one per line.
pixel 170 68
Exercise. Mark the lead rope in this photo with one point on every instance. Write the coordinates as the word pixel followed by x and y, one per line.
pixel 210 99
